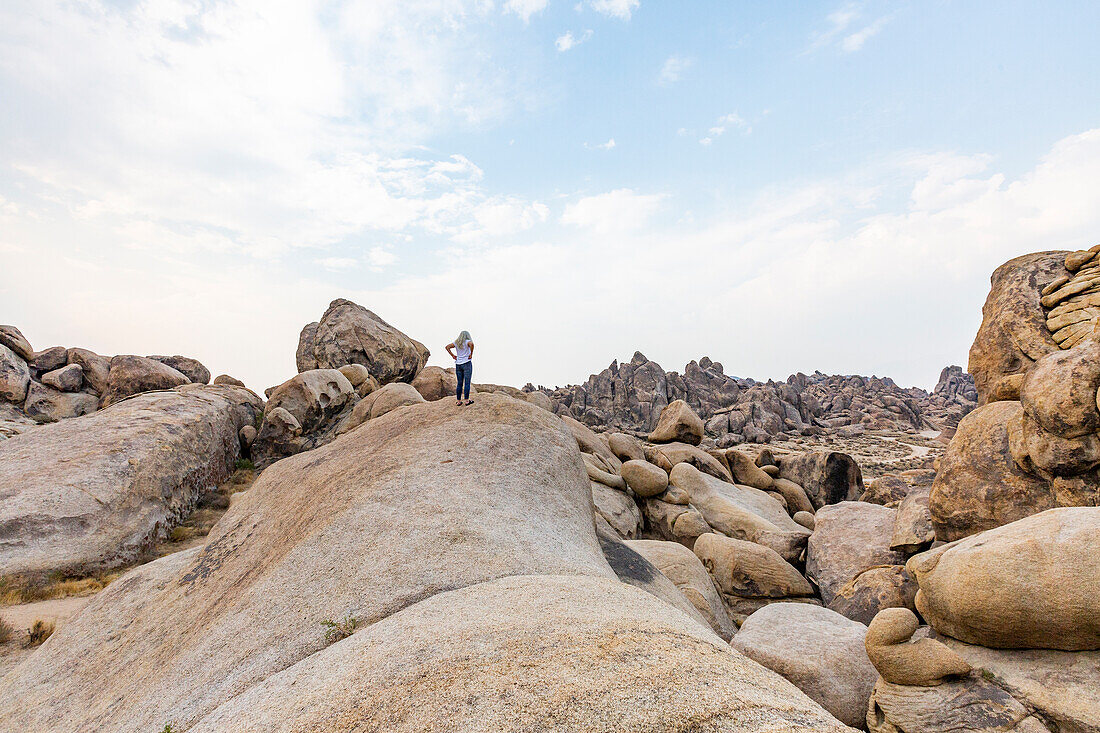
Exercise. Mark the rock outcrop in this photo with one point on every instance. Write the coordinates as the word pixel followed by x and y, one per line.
pixel 631 395
pixel 460 542
pixel 91 494
pixel 350 334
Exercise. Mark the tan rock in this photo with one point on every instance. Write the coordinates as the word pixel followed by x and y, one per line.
pixel 392 396
pixel 45 404
pixel 50 359
pixel 819 651
pixel 741 512
pixel 913 530
pixel 620 511
pixel 490 582
pixel 436 383
pixel 626 447
pixel 193 369
pixel 90 494
pixel 746 472
pixel 874 589
pixel 540 399
pixel 643 478
pixel 675 453
pixel 1013 333
pixel 678 423
pixel 589 442
pixel 806 519
pixel 66 379
pixel 228 380
pixel 96 368
pixel 972 705
pixel 1062 687
pixel 360 378
pixel 1034 583
pixel 684 569
pixel 795 496
pixel 849 538
pixel 827 477
pixel 747 569
pixel 925 662
pixel 15 376
pixel 132 375
pixel 350 334
pixel 597 473
pixel 979 486
pixel 12 338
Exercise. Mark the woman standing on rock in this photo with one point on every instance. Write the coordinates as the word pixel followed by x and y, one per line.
pixel 462 351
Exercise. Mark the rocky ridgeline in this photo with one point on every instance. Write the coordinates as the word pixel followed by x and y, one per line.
pixel 631 395
pixel 405 563
pixel 53 384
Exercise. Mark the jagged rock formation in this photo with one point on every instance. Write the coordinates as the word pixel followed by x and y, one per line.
pixel 631 395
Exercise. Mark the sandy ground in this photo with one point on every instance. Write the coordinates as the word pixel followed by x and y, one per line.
pixel 876 453
pixel 57 611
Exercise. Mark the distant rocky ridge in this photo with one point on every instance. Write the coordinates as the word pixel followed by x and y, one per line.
pixel 630 396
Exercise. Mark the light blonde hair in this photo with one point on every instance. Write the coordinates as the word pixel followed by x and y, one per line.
pixel 462 339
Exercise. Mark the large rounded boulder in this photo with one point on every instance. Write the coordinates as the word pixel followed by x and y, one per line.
pixel 350 334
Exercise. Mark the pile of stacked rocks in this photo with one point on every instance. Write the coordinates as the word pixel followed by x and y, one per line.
pixel 631 395
pixel 58 382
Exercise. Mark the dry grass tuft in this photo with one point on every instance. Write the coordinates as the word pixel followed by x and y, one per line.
pixel 337 630
pixel 5 631
pixel 16 590
pixel 38 633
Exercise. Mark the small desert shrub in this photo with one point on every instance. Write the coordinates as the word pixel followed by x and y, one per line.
pixel 5 631
pixel 244 464
pixel 15 590
pixel 337 630
pixel 39 632
pixel 167 728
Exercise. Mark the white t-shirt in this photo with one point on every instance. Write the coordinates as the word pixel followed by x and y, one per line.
pixel 463 352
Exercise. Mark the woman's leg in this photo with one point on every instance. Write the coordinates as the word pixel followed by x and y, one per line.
pixel 458 381
pixel 469 377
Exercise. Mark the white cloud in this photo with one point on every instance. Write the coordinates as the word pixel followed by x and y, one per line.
pixel 621 9
pixel 673 69
pixel 525 8
pixel 379 258
pixel 724 123
pixel 618 210
pixel 839 29
pixel 338 264
pixel 609 145
pixel 855 41
pixel 568 41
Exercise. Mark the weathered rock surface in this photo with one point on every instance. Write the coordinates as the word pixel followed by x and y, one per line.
pixel 848 539
pixel 979 486
pixel 913 529
pixel 741 512
pixel 818 650
pixel 12 338
pixel 677 423
pixel 45 404
pixel 193 369
pixel 617 508
pixel 972 705
pixel 1013 334
pixel 879 587
pixel 827 477
pixel 96 369
pixel 1062 687
pixel 643 478
pixel 684 569
pixel 15 376
pixel 481 576
pixel 748 570
pixel 91 494
pixel 65 379
pixel 924 662
pixel 302 413
pixel 350 334
pixel 131 375
pixel 1034 583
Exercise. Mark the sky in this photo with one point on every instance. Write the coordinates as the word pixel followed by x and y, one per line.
pixel 781 186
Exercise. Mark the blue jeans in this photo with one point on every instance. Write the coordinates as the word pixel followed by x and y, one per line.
pixel 463 372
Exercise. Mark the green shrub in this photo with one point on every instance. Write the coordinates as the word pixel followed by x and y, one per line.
pixel 243 464
pixel 337 630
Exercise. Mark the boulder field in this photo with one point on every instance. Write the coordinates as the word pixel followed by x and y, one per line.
pixel 608 557
pixel 459 541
